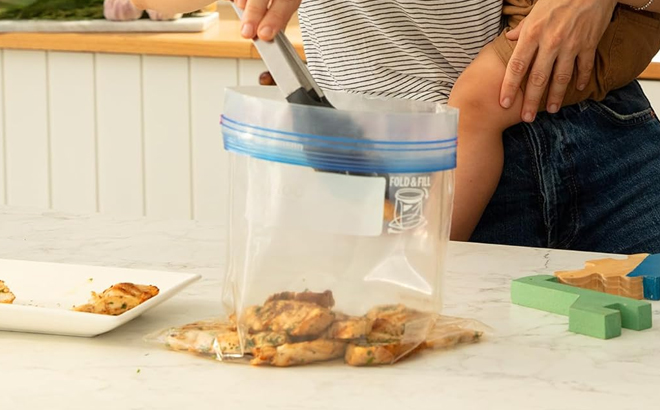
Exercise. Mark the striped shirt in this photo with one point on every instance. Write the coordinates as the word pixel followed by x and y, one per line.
pixel 413 49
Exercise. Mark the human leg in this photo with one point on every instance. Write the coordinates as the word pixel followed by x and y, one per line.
pixel 586 178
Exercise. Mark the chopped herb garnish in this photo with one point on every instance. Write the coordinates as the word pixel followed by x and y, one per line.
pixel 370 360
pixel 138 371
pixel 123 305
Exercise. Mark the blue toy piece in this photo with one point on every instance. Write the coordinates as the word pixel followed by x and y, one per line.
pixel 649 270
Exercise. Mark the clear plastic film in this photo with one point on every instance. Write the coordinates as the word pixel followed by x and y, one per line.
pixel 354 202
pixel 338 227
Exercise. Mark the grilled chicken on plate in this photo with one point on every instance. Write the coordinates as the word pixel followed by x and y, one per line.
pixel 5 294
pixel 118 299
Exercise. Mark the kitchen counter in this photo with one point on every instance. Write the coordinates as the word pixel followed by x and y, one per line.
pixel 531 361
pixel 221 40
pixel 652 72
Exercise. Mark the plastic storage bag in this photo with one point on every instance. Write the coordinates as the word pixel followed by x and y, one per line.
pixel 206 337
pixel 355 201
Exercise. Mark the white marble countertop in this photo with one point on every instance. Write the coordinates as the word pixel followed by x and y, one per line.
pixel 532 361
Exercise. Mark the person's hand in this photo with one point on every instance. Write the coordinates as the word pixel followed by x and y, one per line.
pixel 263 21
pixel 171 6
pixel 552 39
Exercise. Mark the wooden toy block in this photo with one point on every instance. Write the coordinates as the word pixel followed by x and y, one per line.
pixel 589 312
pixel 607 275
pixel 649 271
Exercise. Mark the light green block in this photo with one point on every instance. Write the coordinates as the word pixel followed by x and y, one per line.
pixel 589 312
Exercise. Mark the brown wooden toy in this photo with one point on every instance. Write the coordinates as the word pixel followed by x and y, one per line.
pixel 607 275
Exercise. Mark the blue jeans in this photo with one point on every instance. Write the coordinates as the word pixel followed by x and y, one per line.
pixel 586 178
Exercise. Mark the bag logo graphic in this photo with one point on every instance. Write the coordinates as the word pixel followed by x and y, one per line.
pixel 408 209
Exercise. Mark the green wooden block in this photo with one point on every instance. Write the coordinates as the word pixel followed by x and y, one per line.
pixel 589 312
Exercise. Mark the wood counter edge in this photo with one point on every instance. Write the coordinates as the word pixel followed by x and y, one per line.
pixel 652 72
pixel 215 43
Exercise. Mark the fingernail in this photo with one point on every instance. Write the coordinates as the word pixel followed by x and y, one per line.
pixel 553 108
pixel 506 103
pixel 528 117
pixel 247 30
pixel 266 32
pixel 581 87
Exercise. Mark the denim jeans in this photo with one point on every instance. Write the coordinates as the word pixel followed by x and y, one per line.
pixel 586 178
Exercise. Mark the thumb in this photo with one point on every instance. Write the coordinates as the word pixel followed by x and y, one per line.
pixel 514 34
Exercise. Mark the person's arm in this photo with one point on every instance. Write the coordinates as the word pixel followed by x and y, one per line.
pixel 259 19
pixel 556 36
pixel 171 6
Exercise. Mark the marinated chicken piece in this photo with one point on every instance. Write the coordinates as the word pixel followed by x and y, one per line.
pixel 324 299
pixel 118 299
pixel 392 322
pixel 263 356
pixel 5 294
pixel 204 337
pixel 229 344
pixel 260 340
pixel 297 319
pixel 445 333
pixel 295 354
pixel 379 353
pixel 198 337
pixel 349 328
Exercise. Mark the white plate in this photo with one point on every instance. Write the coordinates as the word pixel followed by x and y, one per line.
pixel 45 293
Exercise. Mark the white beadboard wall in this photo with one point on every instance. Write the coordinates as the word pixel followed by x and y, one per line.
pixel 123 135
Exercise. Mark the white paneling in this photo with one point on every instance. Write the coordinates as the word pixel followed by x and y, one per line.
pixel 2 134
pixel 119 134
pixel 208 79
pixel 249 70
pixel 652 90
pixel 122 134
pixel 72 131
pixel 165 89
pixel 26 128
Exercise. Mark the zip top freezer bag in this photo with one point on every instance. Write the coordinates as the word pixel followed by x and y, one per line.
pixel 338 225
